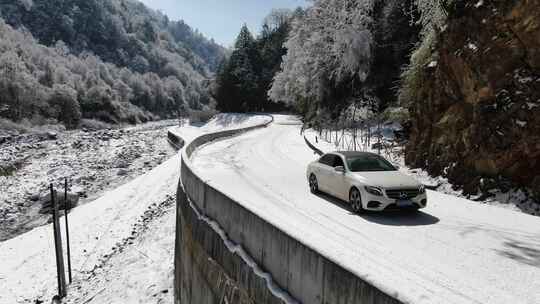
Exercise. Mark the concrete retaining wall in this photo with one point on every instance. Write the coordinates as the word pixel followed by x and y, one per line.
pixel 208 272
pixel 175 141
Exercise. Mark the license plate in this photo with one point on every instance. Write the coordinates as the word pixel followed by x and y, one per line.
pixel 404 203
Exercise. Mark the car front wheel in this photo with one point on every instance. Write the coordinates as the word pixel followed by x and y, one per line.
pixel 356 201
pixel 313 184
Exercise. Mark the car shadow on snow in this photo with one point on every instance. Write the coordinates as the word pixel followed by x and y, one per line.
pixel 387 218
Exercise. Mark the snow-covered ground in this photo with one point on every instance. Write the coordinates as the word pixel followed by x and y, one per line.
pixel 122 243
pixel 454 251
pixel 93 162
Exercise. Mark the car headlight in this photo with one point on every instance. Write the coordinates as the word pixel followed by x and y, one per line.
pixel 422 189
pixel 374 190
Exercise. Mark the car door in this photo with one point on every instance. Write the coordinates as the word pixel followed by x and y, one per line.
pixel 337 180
pixel 325 168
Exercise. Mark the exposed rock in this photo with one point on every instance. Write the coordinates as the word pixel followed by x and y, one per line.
pixel 52 135
pixel 479 107
pixel 4 139
pixel 122 164
pixel 34 197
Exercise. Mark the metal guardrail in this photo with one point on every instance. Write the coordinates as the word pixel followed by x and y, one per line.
pixel 175 141
pixel 312 147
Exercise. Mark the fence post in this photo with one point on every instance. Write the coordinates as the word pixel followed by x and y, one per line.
pixel 379 135
pixel 354 137
pixel 66 209
pixel 58 247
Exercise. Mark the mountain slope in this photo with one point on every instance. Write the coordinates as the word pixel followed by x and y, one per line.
pixel 118 31
pixel 114 60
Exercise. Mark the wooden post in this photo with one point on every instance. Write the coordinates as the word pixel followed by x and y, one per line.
pixel 58 247
pixel 66 209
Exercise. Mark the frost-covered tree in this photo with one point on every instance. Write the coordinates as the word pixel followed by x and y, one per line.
pixel 332 42
pixel 66 106
pixel 432 19
pixel 343 52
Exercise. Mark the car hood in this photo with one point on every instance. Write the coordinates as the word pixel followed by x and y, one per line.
pixel 386 179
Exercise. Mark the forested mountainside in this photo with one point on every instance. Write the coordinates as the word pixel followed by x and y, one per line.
pixel 112 60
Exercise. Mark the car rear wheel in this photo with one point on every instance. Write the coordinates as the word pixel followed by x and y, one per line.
pixel 313 184
pixel 356 201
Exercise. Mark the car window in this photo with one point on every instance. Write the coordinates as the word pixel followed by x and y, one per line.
pixel 369 163
pixel 338 162
pixel 327 159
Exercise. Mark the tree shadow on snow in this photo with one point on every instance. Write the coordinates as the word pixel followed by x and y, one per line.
pixel 523 252
pixel 519 246
pixel 388 218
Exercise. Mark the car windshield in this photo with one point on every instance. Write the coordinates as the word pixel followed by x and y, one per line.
pixel 369 163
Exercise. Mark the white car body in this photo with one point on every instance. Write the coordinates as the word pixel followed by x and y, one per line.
pixel 397 190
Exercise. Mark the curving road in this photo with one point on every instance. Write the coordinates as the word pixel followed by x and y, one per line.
pixel 455 251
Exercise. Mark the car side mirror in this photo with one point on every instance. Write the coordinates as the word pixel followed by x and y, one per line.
pixel 340 169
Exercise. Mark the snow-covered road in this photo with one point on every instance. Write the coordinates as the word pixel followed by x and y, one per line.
pixel 454 251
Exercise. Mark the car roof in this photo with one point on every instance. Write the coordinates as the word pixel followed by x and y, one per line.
pixel 348 154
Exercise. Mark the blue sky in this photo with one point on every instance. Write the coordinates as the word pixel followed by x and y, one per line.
pixel 221 19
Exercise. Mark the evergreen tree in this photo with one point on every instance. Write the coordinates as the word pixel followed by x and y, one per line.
pixel 270 45
pixel 244 79
pixel 239 76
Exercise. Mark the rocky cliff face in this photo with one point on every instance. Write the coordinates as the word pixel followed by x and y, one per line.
pixel 477 117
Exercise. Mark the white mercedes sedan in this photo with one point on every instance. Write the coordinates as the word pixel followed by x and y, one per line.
pixel 366 180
